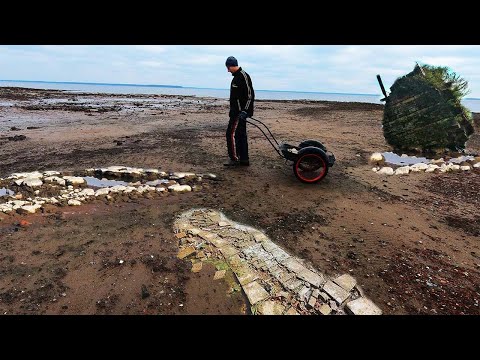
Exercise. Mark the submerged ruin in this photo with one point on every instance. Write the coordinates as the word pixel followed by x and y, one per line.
pixel 423 111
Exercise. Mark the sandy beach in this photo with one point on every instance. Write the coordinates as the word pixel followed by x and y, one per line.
pixel 411 242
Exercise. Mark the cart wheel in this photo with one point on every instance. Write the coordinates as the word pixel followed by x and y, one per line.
pixel 314 143
pixel 311 165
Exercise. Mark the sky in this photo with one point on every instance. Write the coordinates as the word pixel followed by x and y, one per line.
pixel 318 68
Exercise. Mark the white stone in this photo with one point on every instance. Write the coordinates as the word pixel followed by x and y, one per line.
pixel 418 167
pixel 346 282
pixel 439 161
pixel 34 174
pixel 375 169
pixel 154 171
pixel 363 306
pixel 404 170
pixel 51 173
pixel 163 174
pixel 181 175
pixel 18 203
pixel 465 168
pixel 336 292
pixel 387 170
pixel 74 180
pixel 431 168
pixel 72 202
pixel 28 209
pixel 6 208
pixel 129 189
pixel 455 167
pixel 53 200
pixel 270 307
pixel 102 191
pixel 477 165
pixel 87 192
pixel 19 182
pixel 118 188
pixel 255 292
pixel 377 159
pixel 32 182
pixel 157 182
pixel 180 188
pixel 55 179
pixel 161 189
pixel 39 202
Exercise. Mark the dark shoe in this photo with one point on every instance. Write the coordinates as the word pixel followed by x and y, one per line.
pixel 231 163
pixel 244 163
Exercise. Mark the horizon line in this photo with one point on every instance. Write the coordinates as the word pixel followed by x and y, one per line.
pixel 179 86
pixel 193 87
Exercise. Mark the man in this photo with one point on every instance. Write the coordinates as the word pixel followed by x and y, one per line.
pixel 242 98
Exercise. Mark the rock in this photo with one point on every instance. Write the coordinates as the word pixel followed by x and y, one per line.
pixel 438 161
pixel 87 192
pixel 6 208
pixel 404 170
pixel 180 235
pixel 145 292
pixel 31 175
pixel 385 171
pixel 183 253
pixel 270 307
pixel 324 296
pixel 197 267
pixel 180 188
pixel 431 168
pixel 303 273
pixel 336 292
pixel 465 168
pixel 418 167
pixel 73 202
pixel 477 165
pixel 220 274
pixel 325 309
pixel 312 301
pixel 161 189
pixel 375 169
pixel 346 282
pixel 363 306
pixel 302 294
pixel 156 182
pixel 292 311
pixel 223 223
pixel 74 180
pixel 255 292
pixel 316 293
pixel 32 182
pixel 102 191
pixel 333 305
pixel 18 182
pixel 56 179
pixel 50 173
pixel 28 209
pixel 18 196
pixel 180 175
pixel 377 159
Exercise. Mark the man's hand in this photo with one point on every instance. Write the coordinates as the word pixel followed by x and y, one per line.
pixel 242 116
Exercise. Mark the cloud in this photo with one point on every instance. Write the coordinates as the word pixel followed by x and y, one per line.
pixel 325 68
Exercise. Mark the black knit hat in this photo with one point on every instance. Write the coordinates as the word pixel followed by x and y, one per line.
pixel 231 61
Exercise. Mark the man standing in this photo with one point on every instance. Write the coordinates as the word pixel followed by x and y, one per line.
pixel 242 98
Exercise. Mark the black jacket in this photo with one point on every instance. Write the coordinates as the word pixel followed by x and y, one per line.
pixel 242 95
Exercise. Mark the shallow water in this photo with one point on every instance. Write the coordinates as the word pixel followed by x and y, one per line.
pixel 5 192
pixel 395 159
pixel 95 182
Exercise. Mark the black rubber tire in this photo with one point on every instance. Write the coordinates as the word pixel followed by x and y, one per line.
pixel 313 143
pixel 310 152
